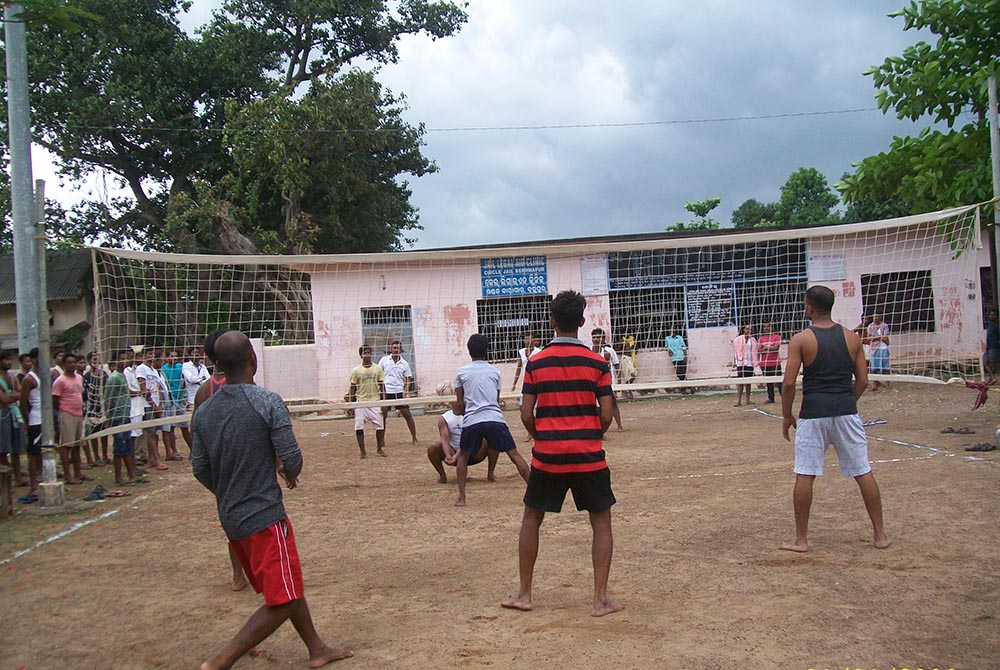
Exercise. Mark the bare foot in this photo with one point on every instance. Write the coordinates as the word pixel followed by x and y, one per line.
pixel 491 478
pixel 737 404
pixel 328 655
pixel 364 454
pixel 442 479
pixel 605 607
pixel 800 547
pixel 460 502
pixel 883 543
pixel 415 441
pixel 239 583
pixel 518 602
pixel 621 429
pixel 381 453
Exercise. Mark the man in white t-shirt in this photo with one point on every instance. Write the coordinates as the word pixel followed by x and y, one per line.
pixel 194 373
pixel 149 385
pixel 529 349
pixel 600 346
pixel 450 430
pixel 398 382
pixel 137 403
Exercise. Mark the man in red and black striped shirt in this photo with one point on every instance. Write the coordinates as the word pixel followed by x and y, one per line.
pixel 566 407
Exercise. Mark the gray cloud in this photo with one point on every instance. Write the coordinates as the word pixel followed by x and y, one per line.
pixel 523 63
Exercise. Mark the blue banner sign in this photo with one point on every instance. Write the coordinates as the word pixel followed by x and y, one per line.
pixel 513 276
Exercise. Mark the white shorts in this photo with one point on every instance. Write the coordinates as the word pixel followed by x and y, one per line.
pixel 845 433
pixel 372 415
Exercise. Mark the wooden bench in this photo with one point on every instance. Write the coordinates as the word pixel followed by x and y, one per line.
pixel 6 492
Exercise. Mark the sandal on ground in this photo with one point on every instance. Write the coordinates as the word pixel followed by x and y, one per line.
pixel 117 494
pixel 983 446
pixel 28 499
pixel 98 493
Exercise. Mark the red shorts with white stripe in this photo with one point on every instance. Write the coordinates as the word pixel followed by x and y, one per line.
pixel 271 563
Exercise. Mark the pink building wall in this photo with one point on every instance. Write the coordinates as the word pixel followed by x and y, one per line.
pixel 442 289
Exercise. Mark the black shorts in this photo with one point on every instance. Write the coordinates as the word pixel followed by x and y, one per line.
pixel 591 490
pixel 35 440
pixel 744 371
pixel 496 434
pixel 394 396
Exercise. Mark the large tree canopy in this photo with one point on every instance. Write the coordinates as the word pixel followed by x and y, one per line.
pixel 211 134
pixel 947 81
pixel 806 200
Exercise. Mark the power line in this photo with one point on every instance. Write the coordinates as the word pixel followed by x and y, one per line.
pixel 458 129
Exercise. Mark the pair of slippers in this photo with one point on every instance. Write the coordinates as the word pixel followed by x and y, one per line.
pixel 959 431
pixel 982 446
pixel 99 493
pixel 28 499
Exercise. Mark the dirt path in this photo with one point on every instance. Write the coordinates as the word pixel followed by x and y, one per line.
pixel 409 582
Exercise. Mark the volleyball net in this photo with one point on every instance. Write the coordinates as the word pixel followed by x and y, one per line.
pixel 672 305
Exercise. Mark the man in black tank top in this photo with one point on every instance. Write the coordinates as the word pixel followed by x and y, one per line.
pixel 835 375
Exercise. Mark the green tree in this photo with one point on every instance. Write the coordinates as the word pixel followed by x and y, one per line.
pixel 754 214
pixel 701 210
pixel 174 118
pixel 948 82
pixel 806 199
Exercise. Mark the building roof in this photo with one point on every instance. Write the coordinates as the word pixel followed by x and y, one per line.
pixel 68 272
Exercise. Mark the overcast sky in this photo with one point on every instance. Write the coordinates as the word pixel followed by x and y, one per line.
pixel 558 63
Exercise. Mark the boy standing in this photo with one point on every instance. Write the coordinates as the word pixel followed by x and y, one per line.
pixel 572 388
pixel 239 433
pixel 368 385
pixel 67 398
pixel 477 389
pixel 117 408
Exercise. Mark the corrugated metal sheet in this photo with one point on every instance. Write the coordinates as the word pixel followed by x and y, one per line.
pixel 69 275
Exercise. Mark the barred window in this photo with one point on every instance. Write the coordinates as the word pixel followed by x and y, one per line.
pixel 779 303
pixel 505 322
pixel 647 314
pixel 904 299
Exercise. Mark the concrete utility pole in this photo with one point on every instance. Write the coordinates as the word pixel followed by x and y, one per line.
pixel 19 123
pixel 995 156
pixel 50 490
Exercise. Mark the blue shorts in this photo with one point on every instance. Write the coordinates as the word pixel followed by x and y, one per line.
pixel 880 361
pixel 121 444
pixel 496 434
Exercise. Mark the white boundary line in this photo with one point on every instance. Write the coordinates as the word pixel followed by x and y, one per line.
pixel 82 524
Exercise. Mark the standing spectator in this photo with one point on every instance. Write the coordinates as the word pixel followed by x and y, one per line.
pixel 368 385
pixel 745 348
pixel 11 422
pixel 599 346
pixel 833 378
pixel 26 367
pixel 398 384
pixel 878 337
pixel 67 399
pixel 31 410
pixel 117 410
pixel 138 406
pixel 677 347
pixel 149 384
pixel 239 434
pixel 567 407
pixel 477 393
pixel 992 355
pixel 195 374
pixel 529 349
pixel 629 364
pixel 770 358
pixel 94 379
pixel 173 375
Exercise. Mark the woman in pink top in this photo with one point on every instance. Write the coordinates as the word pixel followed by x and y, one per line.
pixel 746 349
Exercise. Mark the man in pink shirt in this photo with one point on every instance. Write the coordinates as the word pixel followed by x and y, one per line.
pixel 67 398
pixel 769 344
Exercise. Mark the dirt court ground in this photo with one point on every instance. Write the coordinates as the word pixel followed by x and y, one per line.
pixel 393 571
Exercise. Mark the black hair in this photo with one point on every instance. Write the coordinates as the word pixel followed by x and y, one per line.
pixel 479 346
pixel 209 345
pixel 567 310
pixel 361 349
pixel 821 298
